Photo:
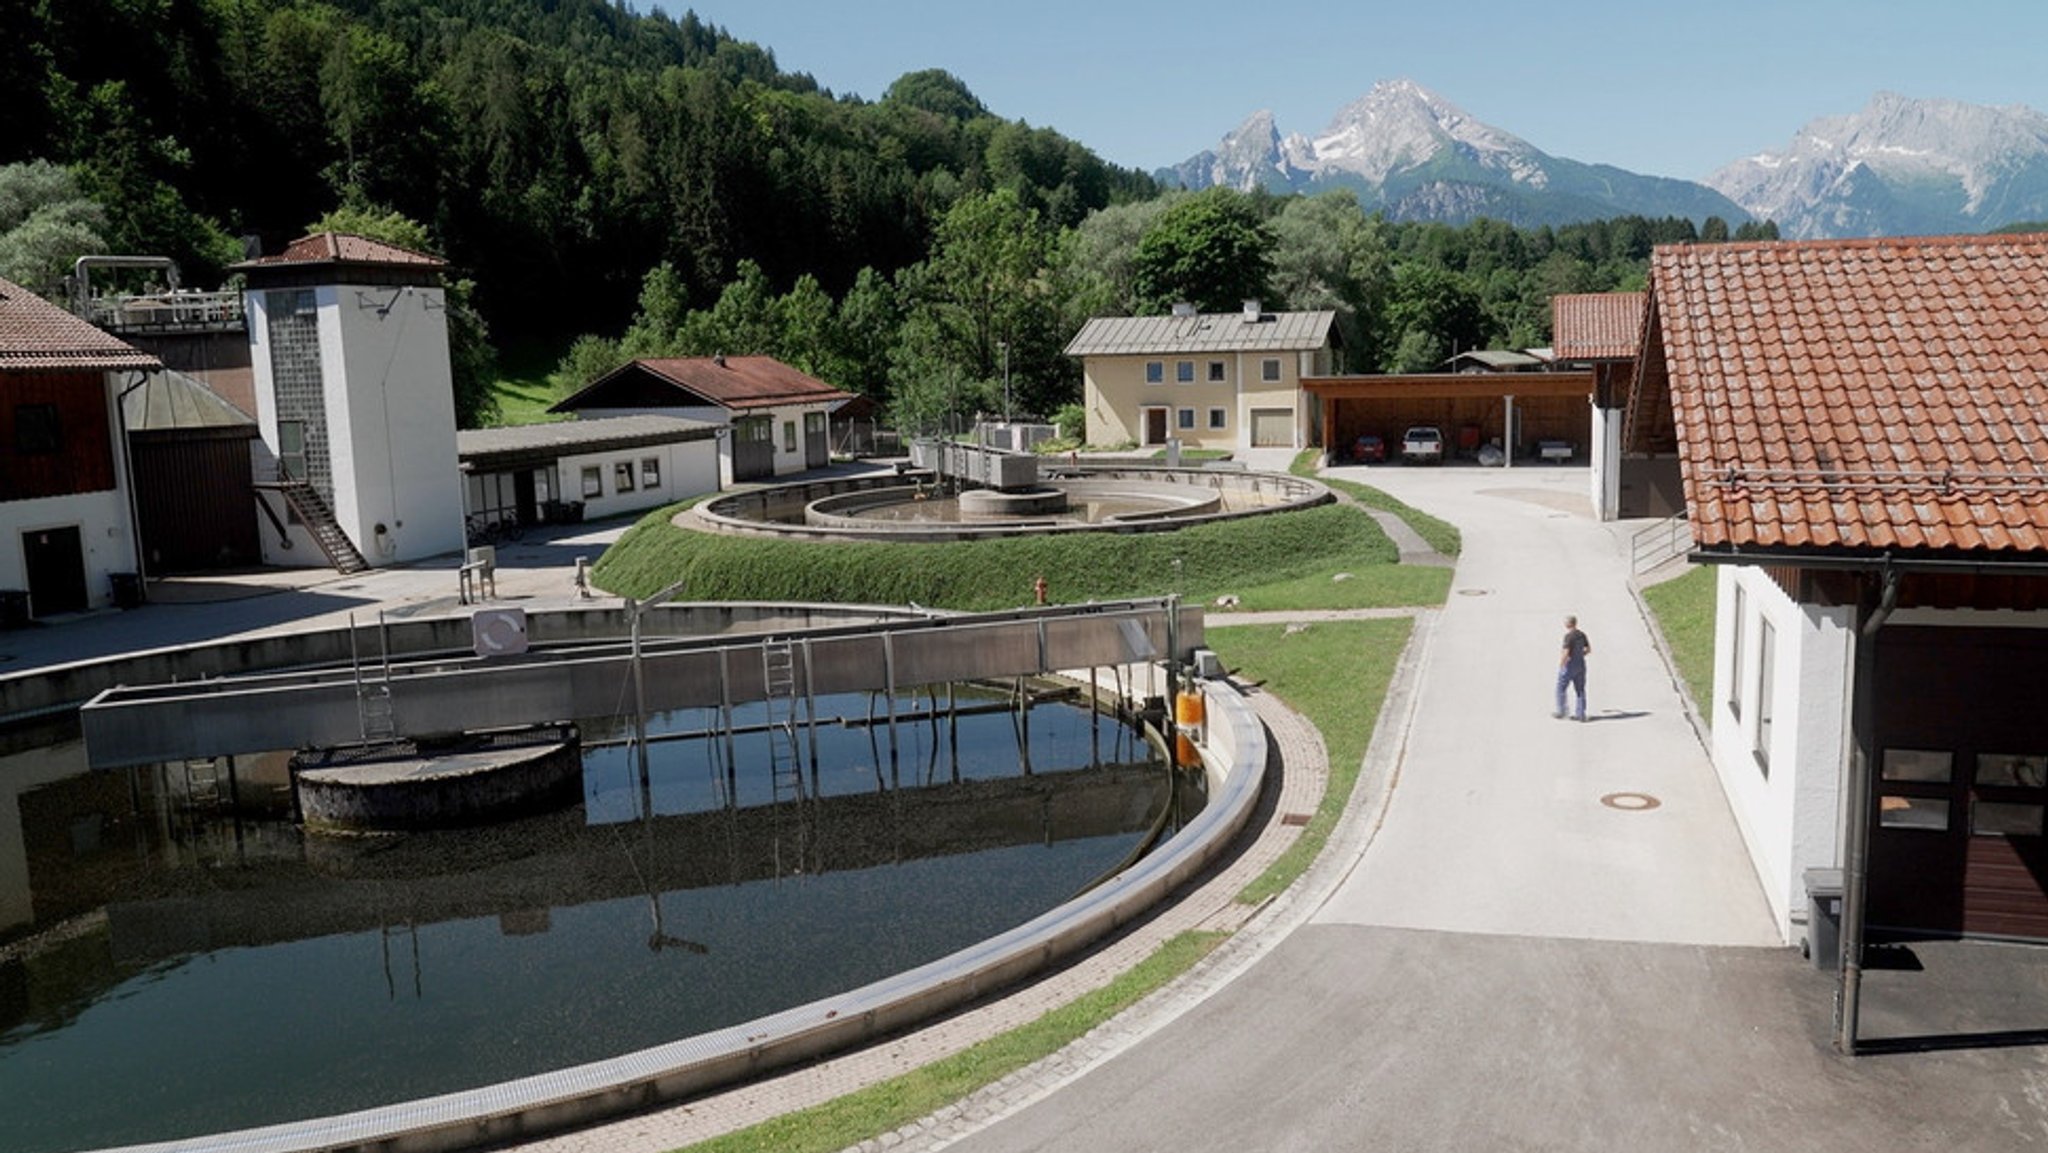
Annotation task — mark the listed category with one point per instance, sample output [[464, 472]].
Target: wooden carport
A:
[[1517, 409]]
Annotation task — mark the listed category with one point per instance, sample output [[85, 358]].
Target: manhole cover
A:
[[1294, 818], [1630, 802], [1475, 592]]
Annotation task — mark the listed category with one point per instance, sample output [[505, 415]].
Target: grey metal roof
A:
[[170, 400], [1207, 332], [518, 443]]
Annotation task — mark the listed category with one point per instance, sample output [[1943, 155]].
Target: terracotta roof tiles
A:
[[1867, 394], [38, 335], [342, 248], [1597, 325]]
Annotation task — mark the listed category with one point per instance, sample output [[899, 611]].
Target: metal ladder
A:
[[778, 672], [374, 711]]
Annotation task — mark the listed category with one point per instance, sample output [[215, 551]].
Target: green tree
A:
[[1433, 313], [46, 224], [1210, 249], [1329, 255]]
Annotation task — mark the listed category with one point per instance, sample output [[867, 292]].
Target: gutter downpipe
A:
[[1856, 838], [128, 467]]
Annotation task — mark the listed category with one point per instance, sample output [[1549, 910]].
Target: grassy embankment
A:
[[1335, 673], [1684, 609]]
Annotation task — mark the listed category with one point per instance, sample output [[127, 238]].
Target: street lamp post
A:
[[1004, 345]]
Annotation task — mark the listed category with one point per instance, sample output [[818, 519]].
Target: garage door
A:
[[1272, 428], [1961, 837]]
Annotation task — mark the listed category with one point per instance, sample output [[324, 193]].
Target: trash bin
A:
[[13, 608], [127, 589], [1824, 918]]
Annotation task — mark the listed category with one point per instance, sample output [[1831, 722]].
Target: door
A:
[[54, 559], [1155, 426], [753, 448], [817, 441], [1272, 428]]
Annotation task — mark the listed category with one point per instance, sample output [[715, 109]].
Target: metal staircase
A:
[[312, 511]]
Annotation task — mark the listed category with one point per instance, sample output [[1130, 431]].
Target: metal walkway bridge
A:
[[439, 695]]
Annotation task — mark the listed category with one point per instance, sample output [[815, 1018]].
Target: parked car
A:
[[1423, 444], [1369, 449]]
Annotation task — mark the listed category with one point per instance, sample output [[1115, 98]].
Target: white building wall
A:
[[397, 482], [688, 468], [1606, 462], [106, 528], [1790, 816]]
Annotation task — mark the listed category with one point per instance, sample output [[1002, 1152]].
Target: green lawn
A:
[[1335, 673], [523, 391], [1288, 560], [1684, 610]]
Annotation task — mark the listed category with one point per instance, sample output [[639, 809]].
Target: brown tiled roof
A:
[[733, 382], [1597, 325], [342, 248], [1860, 395], [35, 334]]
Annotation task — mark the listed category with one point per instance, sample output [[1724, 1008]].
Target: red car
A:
[[1369, 449]]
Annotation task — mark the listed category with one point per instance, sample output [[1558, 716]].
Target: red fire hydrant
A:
[[1038, 589]]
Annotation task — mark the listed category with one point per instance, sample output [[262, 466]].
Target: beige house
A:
[[1228, 381]]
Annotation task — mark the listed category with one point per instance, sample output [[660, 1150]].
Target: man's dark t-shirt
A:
[[1575, 646]]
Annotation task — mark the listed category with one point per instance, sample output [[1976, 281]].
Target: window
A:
[[622, 476], [789, 436], [1269, 369], [1219, 418], [1766, 654], [1184, 371], [1215, 372], [1185, 418], [593, 482], [650, 472], [1736, 672], [36, 429], [1155, 372]]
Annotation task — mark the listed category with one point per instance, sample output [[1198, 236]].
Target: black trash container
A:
[[127, 589], [1824, 918], [13, 608]]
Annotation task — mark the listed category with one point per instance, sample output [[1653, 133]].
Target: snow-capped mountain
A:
[[1418, 156], [1900, 167]]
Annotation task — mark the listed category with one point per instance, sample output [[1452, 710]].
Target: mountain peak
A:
[[1900, 165], [1410, 151]]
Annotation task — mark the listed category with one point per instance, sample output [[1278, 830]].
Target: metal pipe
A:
[[1856, 838]]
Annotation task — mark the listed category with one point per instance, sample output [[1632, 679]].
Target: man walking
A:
[[1571, 667]]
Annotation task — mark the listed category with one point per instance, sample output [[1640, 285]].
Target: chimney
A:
[[1252, 312], [1183, 310], [718, 359]]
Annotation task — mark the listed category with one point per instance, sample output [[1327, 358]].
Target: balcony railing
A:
[[174, 311]]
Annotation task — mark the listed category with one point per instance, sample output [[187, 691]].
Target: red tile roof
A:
[[342, 248], [740, 382], [1860, 395], [35, 334], [1597, 325]]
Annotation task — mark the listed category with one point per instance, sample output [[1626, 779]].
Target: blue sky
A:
[[1658, 88]]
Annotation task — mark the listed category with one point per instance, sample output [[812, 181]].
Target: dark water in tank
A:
[[172, 965]]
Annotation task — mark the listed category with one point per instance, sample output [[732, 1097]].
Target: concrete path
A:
[[1497, 823]]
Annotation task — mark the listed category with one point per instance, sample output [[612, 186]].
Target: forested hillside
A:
[[661, 188], [555, 150]]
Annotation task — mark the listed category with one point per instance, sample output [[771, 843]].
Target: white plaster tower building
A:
[[355, 400]]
